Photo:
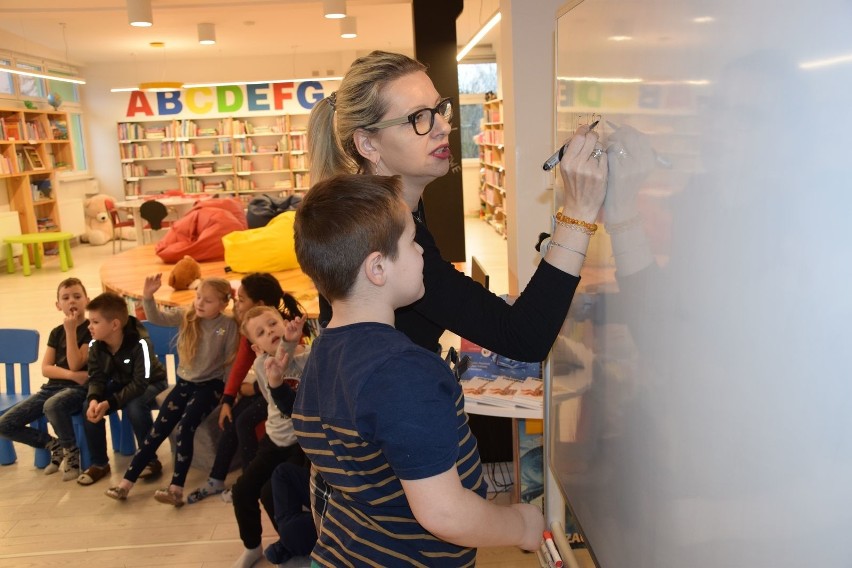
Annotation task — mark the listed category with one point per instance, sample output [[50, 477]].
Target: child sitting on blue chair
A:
[[64, 367]]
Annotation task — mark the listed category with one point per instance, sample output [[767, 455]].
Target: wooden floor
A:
[[45, 522]]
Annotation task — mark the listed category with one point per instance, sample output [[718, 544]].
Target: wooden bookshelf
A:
[[235, 155], [492, 195], [34, 147]]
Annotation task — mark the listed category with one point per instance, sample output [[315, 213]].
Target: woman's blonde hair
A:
[[189, 334], [358, 102]]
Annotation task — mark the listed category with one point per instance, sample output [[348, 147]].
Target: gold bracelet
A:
[[560, 245], [616, 228], [576, 224]]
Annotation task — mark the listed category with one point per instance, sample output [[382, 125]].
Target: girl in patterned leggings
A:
[[207, 342]]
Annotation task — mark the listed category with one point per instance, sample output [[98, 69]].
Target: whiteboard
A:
[[700, 408]]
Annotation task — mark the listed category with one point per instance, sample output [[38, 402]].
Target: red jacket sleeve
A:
[[239, 370]]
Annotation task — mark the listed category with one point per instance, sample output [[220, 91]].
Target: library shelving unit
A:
[[34, 147], [492, 194], [234, 155]]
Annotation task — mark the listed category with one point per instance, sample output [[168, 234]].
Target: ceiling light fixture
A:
[[206, 34], [230, 83], [161, 85], [68, 79], [495, 19], [334, 9], [348, 28], [139, 13]]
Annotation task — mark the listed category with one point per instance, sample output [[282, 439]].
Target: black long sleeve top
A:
[[524, 331]]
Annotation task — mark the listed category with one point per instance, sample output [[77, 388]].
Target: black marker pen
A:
[[557, 156]]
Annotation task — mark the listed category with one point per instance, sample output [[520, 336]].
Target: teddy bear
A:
[[186, 274], [98, 224]]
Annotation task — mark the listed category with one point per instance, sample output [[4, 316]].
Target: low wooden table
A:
[[37, 240], [125, 274]]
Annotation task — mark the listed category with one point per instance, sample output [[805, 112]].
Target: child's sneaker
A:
[[56, 455], [72, 464], [227, 496], [277, 553], [210, 488]]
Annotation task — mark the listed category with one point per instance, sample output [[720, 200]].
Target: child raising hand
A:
[[207, 342]]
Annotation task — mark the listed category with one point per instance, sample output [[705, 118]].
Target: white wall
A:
[[526, 63], [103, 109]]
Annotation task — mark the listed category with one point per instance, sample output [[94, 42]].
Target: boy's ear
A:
[[58, 307], [364, 144], [374, 269], [256, 349]]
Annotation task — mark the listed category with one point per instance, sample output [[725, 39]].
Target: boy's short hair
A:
[[253, 313], [341, 221], [111, 306], [67, 283]]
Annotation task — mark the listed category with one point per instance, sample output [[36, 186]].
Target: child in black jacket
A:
[[124, 374]]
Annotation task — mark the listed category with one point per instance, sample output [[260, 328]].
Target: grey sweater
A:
[[215, 349]]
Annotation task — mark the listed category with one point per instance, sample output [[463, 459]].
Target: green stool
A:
[[37, 241]]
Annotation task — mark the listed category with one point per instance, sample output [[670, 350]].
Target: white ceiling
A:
[[97, 31]]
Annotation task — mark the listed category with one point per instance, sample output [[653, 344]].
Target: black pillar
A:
[[435, 46]]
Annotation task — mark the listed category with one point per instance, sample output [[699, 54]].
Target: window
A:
[[7, 86], [67, 91], [475, 79], [30, 86], [76, 137]]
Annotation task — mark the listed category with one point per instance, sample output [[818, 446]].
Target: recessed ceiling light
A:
[[620, 38], [703, 19]]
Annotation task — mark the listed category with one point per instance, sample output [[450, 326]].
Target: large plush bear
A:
[[98, 224]]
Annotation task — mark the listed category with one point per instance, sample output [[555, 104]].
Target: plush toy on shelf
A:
[[186, 274], [98, 224]]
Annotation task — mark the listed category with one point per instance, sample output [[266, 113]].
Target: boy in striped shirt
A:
[[381, 418]]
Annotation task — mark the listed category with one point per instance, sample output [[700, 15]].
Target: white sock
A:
[[249, 557], [215, 483]]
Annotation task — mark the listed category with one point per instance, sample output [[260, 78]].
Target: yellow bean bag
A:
[[266, 249]]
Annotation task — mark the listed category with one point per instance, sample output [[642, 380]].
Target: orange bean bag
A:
[[199, 233]]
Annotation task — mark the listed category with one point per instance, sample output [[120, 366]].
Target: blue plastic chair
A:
[[164, 340], [19, 347]]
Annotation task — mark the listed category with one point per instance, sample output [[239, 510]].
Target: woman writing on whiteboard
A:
[[387, 118]]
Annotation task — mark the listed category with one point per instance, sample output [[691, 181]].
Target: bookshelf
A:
[[492, 194], [34, 147], [234, 155]]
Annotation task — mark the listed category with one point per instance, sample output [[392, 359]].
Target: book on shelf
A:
[[155, 133], [35, 130], [12, 129], [59, 129]]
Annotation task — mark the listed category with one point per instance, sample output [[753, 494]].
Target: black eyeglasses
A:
[[422, 120]]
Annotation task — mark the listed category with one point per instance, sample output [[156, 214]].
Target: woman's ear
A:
[[364, 144]]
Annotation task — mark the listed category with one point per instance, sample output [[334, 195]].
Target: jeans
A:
[[58, 403], [185, 407], [138, 411]]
